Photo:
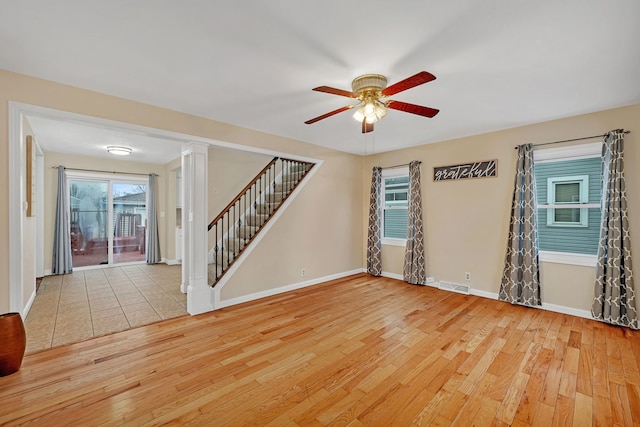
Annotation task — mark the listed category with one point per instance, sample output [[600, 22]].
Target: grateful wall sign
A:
[[466, 171]]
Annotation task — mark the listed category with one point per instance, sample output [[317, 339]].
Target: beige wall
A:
[[321, 227], [327, 186], [466, 221], [70, 161]]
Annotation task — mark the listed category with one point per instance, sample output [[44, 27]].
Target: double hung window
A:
[[568, 186]]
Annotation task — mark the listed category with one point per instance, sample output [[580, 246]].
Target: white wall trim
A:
[[171, 261], [545, 306], [392, 275], [287, 288], [492, 295], [390, 241], [568, 258], [27, 307], [217, 300], [567, 310], [15, 208]]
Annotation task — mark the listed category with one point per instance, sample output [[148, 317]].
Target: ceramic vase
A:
[[13, 342]]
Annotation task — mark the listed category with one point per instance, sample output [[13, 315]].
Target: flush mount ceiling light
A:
[[371, 92], [119, 150]]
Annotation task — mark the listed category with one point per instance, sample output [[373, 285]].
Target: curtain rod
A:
[[100, 171], [575, 139], [398, 166]]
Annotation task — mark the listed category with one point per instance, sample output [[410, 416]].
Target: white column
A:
[[195, 217]]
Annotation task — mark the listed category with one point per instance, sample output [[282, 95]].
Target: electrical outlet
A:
[[467, 276], [303, 272]]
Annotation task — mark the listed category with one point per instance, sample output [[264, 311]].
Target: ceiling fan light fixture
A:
[[119, 150], [380, 110], [359, 114]]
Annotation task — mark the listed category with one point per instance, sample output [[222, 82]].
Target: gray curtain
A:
[[374, 245], [614, 299], [62, 262], [521, 278], [153, 242], [414, 262]]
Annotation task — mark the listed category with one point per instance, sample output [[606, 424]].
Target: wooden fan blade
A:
[[413, 81], [366, 127], [324, 116], [413, 109], [335, 91]]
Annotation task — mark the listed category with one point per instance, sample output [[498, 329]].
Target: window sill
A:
[[394, 242], [568, 258]]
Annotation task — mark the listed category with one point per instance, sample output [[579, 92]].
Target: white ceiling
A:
[[64, 136], [253, 63]]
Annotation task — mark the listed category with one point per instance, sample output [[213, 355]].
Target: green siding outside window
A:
[[396, 207], [396, 222]]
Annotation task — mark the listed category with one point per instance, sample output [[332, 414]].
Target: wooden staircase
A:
[[242, 219]]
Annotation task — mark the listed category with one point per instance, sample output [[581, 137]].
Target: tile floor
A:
[[86, 304]]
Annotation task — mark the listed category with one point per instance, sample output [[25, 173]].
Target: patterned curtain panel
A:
[[414, 262], [62, 262], [614, 298], [153, 242], [521, 277], [374, 245]]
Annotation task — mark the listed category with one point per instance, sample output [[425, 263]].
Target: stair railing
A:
[[239, 222]]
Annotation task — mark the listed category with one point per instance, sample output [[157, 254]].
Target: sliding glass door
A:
[[108, 219], [129, 207]]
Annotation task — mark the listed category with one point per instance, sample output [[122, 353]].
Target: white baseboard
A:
[[27, 307], [586, 314], [48, 272], [545, 306], [392, 275], [172, 261], [567, 310], [287, 288]]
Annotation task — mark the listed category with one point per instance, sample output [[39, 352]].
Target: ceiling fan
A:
[[371, 90]]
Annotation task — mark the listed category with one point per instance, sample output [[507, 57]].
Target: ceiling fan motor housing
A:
[[369, 83]]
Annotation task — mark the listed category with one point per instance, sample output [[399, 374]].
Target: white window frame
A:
[[393, 173], [552, 205], [575, 152]]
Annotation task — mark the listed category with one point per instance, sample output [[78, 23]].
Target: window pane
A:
[[396, 191], [396, 222], [568, 192], [567, 215], [577, 240], [89, 213]]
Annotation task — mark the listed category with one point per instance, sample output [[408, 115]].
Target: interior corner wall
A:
[[466, 221], [341, 213]]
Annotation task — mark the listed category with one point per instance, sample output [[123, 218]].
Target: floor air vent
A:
[[454, 287]]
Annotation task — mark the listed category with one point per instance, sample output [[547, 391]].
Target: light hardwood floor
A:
[[356, 351]]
